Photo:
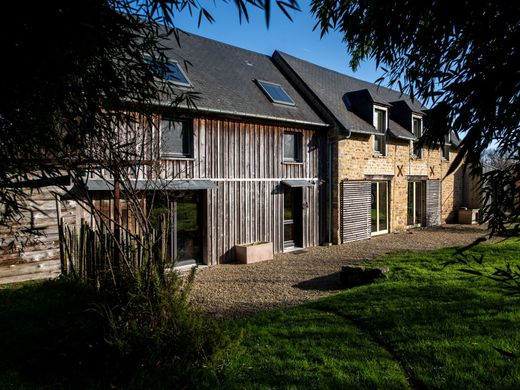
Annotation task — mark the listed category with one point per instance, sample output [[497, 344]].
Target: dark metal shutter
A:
[[355, 211], [433, 202]]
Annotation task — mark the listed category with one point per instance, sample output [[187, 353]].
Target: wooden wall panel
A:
[[30, 257]]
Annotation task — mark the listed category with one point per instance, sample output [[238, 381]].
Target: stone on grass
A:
[[353, 276]]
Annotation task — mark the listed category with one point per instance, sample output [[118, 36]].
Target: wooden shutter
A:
[[433, 202], [355, 211]]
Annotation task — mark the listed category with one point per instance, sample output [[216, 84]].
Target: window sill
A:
[[378, 155], [292, 162], [169, 158]]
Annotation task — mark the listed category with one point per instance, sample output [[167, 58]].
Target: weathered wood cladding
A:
[[26, 256], [252, 211], [246, 161], [229, 149]]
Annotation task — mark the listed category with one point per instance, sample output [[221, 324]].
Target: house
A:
[[244, 166], [277, 150], [381, 180]]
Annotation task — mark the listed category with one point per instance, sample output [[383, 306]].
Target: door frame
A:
[[296, 194], [414, 204], [378, 185]]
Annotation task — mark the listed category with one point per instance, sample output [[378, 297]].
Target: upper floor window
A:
[[275, 93], [173, 72], [292, 147], [176, 138], [381, 124], [417, 128], [445, 148]]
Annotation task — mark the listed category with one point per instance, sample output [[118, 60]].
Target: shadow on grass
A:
[[49, 336], [322, 283]]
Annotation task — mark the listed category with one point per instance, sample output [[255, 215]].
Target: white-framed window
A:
[[417, 130], [176, 138], [381, 125], [445, 148]]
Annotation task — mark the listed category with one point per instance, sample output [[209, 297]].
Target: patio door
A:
[[292, 217], [178, 216], [379, 210], [416, 203]]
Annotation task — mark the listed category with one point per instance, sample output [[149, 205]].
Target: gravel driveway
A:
[[232, 290]]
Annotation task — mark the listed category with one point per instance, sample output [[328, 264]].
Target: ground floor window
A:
[[416, 203], [379, 210], [177, 216]]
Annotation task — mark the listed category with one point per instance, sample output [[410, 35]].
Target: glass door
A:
[[416, 203], [379, 210], [292, 215], [177, 218]]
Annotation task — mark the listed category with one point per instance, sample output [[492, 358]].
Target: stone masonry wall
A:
[[356, 161]]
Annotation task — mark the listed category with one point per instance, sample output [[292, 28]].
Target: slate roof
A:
[[399, 132], [332, 89], [224, 75]]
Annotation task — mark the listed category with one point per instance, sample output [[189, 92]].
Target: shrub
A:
[[156, 337]]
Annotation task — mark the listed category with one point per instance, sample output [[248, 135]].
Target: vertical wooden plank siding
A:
[[433, 202], [355, 211], [245, 160]]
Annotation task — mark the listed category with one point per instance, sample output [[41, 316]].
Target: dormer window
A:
[[445, 148], [381, 124], [173, 73], [417, 129], [275, 93]]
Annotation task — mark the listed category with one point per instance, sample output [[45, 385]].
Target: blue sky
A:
[[296, 38]]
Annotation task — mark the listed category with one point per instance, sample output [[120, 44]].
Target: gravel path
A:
[[232, 290]]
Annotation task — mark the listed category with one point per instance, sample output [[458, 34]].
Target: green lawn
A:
[[427, 326]]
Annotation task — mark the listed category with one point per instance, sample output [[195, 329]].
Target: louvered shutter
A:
[[355, 211], [433, 202]]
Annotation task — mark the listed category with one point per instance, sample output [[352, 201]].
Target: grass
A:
[[47, 335], [427, 326]]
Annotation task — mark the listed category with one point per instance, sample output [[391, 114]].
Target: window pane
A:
[[410, 219], [175, 138], [373, 209], [188, 233], [419, 202], [379, 143], [290, 147], [175, 74], [288, 205], [417, 127], [276, 93], [383, 205], [380, 120]]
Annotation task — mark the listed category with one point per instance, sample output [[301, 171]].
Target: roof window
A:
[[173, 72], [275, 93]]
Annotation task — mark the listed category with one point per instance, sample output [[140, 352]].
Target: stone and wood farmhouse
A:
[[278, 150]]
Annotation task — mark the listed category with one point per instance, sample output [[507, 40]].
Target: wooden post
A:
[[117, 221]]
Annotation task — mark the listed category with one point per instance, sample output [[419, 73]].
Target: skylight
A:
[[173, 73], [275, 93]]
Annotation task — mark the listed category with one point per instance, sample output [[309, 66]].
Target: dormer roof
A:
[[342, 96]]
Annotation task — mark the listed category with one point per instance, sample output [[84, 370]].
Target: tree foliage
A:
[[71, 72], [460, 58]]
